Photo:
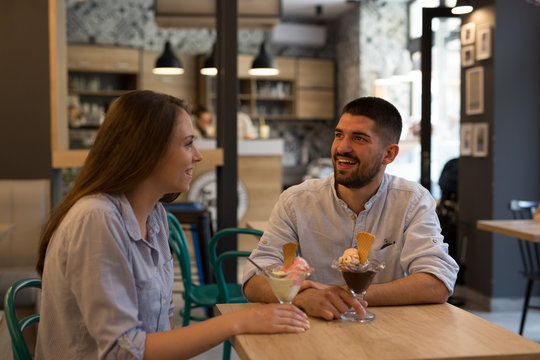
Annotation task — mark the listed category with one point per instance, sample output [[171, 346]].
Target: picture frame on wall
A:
[[467, 55], [467, 33], [480, 140], [483, 42], [466, 139], [474, 91]]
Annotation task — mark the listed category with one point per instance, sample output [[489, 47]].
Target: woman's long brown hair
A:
[[128, 146]]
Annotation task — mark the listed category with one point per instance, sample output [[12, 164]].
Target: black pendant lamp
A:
[[168, 63], [209, 66], [263, 64], [462, 7]]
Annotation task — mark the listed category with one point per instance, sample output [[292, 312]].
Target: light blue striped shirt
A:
[[401, 213], [104, 286]]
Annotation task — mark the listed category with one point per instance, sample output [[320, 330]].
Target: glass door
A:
[[439, 133], [445, 96]]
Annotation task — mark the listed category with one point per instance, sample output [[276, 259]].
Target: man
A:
[[203, 128], [324, 215]]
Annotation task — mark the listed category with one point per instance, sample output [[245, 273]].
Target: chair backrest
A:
[[16, 327], [217, 261], [178, 244], [529, 251], [522, 209]]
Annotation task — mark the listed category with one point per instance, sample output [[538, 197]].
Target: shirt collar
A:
[[380, 190], [132, 226], [370, 202]]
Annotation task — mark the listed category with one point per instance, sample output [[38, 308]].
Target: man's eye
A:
[[338, 135]]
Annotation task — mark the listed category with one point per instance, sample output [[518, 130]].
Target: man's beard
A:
[[364, 174]]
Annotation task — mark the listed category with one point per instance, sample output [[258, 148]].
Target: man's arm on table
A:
[[419, 288]]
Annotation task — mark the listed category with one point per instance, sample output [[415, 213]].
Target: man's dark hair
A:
[[201, 109], [385, 115]]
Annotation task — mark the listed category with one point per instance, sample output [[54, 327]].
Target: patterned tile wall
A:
[[383, 38]]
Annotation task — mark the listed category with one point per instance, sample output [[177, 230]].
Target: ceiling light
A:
[[462, 7], [209, 66], [263, 64], [168, 63]]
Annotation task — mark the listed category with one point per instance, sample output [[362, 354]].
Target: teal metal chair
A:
[[228, 292], [16, 327], [194, 295]]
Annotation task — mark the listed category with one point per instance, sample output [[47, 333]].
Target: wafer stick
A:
[[289, 250], [364, 241]]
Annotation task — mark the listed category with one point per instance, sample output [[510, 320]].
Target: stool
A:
[[200, 223]]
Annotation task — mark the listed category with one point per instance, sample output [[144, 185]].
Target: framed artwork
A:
[[474, 91], [483, 42], [468, 33], [466, 140], [467, 55], [480, 139]]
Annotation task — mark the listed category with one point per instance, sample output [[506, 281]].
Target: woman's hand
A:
[[271, 318]]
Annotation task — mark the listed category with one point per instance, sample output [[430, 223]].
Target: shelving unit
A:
[[96, 77], [272, 99], [304, 90]]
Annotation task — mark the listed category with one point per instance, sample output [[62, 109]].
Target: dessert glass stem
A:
[[352, 315]]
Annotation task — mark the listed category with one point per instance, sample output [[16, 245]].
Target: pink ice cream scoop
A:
[[299, 265]]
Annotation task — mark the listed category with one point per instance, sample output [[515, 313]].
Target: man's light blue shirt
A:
[[401, 215]]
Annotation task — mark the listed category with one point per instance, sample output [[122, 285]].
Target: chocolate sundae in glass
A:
[[358, 277]]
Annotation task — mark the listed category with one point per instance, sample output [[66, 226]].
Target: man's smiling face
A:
[[357, 151]]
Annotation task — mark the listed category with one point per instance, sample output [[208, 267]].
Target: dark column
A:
[[227, 89]]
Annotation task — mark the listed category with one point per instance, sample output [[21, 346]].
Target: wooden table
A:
[[522, 229], [6, 229], [257, 224], [440, 331]]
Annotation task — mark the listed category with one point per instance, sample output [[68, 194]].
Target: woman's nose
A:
[[197, 156]]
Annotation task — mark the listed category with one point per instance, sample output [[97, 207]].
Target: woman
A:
[[106, 267]]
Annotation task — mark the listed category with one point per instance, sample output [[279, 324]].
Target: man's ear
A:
[[390, 153]]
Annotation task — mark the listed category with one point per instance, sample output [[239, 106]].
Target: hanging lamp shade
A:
[[209, 66], [168, 63], [462, 7], [263, 64]]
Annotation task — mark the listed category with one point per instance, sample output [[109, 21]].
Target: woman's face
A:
[[174, 171]]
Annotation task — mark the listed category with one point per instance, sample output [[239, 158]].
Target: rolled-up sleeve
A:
[[424, 249]]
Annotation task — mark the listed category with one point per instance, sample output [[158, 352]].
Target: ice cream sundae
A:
[[285, 279], [358, 272]]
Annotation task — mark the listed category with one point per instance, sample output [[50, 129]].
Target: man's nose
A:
[[344, 145]]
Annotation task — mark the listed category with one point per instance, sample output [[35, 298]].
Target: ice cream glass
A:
[[358, 277], [285, 284]]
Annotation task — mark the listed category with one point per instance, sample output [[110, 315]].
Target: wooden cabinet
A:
[[315, 73], [315, 89], [315, 104], [182, 86], [103, 59]]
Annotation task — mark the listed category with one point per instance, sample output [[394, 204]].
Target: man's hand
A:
[[327, 302]]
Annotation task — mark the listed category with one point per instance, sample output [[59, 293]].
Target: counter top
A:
[[267, 147]]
